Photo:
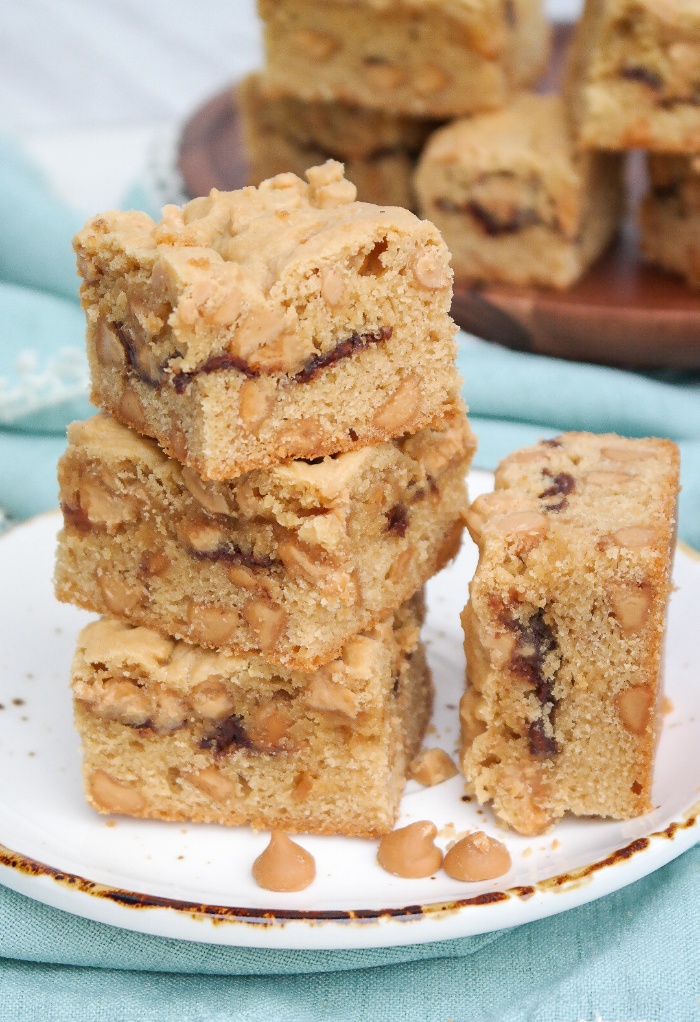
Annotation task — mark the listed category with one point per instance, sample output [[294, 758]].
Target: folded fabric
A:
[[43, 372], [632, 955], [35, 248]]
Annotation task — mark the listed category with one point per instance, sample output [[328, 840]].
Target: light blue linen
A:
[[35, 229], [630, 956]]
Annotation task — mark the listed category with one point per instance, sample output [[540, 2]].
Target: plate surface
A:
[[621, 312], [193, 882]]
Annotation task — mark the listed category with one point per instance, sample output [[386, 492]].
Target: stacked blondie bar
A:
[[367, 82], [423, 100], [534, 193], [634, 83], [277, 470]]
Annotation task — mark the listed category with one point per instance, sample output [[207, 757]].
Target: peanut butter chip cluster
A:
[[411, 852], [328, 186]]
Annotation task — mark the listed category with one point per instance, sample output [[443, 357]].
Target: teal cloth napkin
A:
[[632, 955]]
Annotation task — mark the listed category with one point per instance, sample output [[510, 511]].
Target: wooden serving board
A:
[[621, 313]]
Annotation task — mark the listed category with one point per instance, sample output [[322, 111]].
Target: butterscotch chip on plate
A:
[[435, 58], [432, 766], [174, 732], [633, 75], [564, 629], [285, 321], [283, 133], [411, 852], [284, 865], [670, 216], [288, 562], [514, 198]]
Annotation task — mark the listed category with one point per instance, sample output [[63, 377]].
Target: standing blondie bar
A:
[[564, 628]]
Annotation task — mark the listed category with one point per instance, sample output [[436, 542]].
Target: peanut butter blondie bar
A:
[[283, 133], [173, 732], [285, 321], [670, 216], [432, 58], [564, 628], [515, 200], [287, 562], [634, 75]]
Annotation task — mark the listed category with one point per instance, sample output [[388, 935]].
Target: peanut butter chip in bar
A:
[[284, 865], [411, 852]]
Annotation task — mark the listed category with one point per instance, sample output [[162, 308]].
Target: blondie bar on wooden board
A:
[[564, 628], [285, 321], [379, 150], [287, 562], [174, 732], [514, 198], [633, 78], [430, 58], [670, 215]]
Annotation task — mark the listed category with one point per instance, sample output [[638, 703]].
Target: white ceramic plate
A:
[[193, 882]]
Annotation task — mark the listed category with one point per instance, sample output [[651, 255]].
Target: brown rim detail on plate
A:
[[407, 913], [621, 313]]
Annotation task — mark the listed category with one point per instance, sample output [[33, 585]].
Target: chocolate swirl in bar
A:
[[536, 640]]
